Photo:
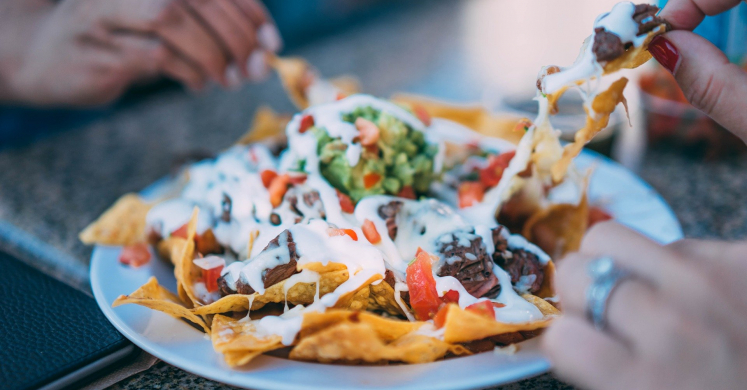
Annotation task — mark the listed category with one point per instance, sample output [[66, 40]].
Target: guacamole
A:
[[400, 160]]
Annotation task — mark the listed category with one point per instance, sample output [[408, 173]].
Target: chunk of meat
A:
[[303, 202], [524, 268], [471, 265], [608, 46], [388, 212], [271, 276]]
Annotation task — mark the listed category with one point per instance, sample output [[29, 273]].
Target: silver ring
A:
[[605, 275]]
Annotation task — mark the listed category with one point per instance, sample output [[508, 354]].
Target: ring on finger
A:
[[606, 276]]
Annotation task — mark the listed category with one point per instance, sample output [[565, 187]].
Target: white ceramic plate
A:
[[631, 200]]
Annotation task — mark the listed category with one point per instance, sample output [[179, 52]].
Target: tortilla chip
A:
[[299, 294], [602, 106], [238, 342], [474, 117], [353, 342], [547, 289], [559, 228], [635, 56], [266, 125], [382, 298], [154, 296], [348, 85], [464, 326], [387, 329], [545, 307], [122, 224], [296, 75], [185, 271]]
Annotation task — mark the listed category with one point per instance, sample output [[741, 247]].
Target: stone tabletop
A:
[[463, 51]]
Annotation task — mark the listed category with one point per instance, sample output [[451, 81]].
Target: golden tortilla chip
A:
[[545, 307], [474, 117], [296, 75], [299, 294], [122, 224], [354, 342], [387, 329], [347, 85], [154, 296], [559, 228], [266, 125], [238, 342], [636, 56], [602, 106], [547, 290], [185, 271], [464, 326], [382, 298]]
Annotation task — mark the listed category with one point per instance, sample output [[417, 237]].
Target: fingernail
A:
[[665, 52], [269, 37], [233, 76], [257, 65]]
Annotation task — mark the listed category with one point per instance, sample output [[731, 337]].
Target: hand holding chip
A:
[[710, 82], [678, 324], [87, 52]]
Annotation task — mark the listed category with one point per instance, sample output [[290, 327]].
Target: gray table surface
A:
[[52, 188]]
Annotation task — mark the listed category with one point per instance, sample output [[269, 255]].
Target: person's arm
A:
[[710, 82], [87, 52]]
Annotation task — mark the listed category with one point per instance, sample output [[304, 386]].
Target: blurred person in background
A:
[[89, 52], [639, 315]]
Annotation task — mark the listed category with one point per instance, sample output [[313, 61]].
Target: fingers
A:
[[584, 356], [683, 287], [267, 34], [633, 310], [707, 78], [230, 28], [687, 14]]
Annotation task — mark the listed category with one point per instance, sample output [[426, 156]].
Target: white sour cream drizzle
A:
[[428, 224], [620, 22]]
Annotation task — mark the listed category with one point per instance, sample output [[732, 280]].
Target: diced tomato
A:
[[407, 192], [181, 232], [422, 114], [523, 125], [424, 298], [340, 96], [307, 122], [452, 296], [498, 305], [346, 204], [440, 319], [135, 255], [470, 193], [211, 267], [296, 177], [341, 232], [277, 189], [370, 180], [491, 175], [483, 308], [369, 230], [267, 175], [596, 215], [369, 132], [419, 251]]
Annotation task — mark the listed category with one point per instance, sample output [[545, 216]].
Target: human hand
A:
[[86, 52], [680, 324], [710, 82]]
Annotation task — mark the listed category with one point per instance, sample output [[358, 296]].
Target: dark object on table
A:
[[52, 336]]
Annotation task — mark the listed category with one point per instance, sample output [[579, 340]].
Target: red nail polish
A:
[[664, 52]]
